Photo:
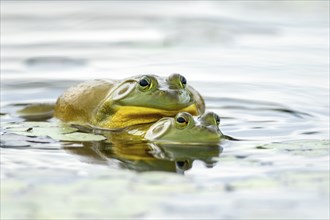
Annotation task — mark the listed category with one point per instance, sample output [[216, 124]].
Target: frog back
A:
[[78, 103], [198, 100]]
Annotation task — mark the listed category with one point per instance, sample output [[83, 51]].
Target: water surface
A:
[[262, 66]]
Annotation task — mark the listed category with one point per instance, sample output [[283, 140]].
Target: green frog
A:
[[113, 104], [184, 128]]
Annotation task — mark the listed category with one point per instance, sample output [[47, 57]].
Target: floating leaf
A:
[[28, 124], [39, 131], [80, 136], [62, 132]]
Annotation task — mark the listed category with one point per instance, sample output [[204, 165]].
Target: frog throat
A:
[[133, 115]]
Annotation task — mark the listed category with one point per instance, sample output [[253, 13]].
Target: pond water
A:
[[262, 66]]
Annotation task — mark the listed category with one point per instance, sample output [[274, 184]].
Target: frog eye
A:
[[210, 118], [183, 81], [177, 81], [145, 83], [217, 119], [181, 120]]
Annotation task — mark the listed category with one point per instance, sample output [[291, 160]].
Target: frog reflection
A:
[[147, 156]]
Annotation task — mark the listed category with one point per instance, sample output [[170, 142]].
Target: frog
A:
[[117, 104], [184, 128]]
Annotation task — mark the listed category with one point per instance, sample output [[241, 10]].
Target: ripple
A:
[[243, 104], [54, 62]]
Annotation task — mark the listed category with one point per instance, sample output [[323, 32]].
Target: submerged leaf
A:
[[39, 131]]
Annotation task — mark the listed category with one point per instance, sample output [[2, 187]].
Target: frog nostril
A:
[[162, 92]]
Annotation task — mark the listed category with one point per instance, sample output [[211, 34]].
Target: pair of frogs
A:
[[147, 107]]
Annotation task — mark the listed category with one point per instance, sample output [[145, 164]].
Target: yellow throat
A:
[[132, 115]]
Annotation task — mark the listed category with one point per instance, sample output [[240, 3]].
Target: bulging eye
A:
[[217, 119], [145, 83], [210, 118], [181, 120], [183, 81], [177, 81]]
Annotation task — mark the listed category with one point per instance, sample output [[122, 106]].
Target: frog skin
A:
[[184, 128], [137, 100], [181, 129]]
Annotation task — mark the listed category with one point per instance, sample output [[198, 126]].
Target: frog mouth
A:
[[133, 115]]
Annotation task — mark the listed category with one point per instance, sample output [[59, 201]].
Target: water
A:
[[262, 66]]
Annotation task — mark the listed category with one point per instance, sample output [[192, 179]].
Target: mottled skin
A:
[[138, 100]]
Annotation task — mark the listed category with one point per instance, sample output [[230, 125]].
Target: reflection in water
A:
[[147, 156]]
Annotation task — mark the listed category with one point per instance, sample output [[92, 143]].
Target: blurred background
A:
[[263, 66]]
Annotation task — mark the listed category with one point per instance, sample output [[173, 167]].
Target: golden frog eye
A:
[[217, 119], [210, 118], [181, 120], [177, 81], [145, 83], [183, 81]]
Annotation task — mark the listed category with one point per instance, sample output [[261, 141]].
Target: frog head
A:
[[146, 99], [184, 128]]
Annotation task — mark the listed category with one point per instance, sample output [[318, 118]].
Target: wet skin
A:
[[118, 104], [181, 129], [184, 128]]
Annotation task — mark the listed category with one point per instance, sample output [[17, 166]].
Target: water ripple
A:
[[54, 62]]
